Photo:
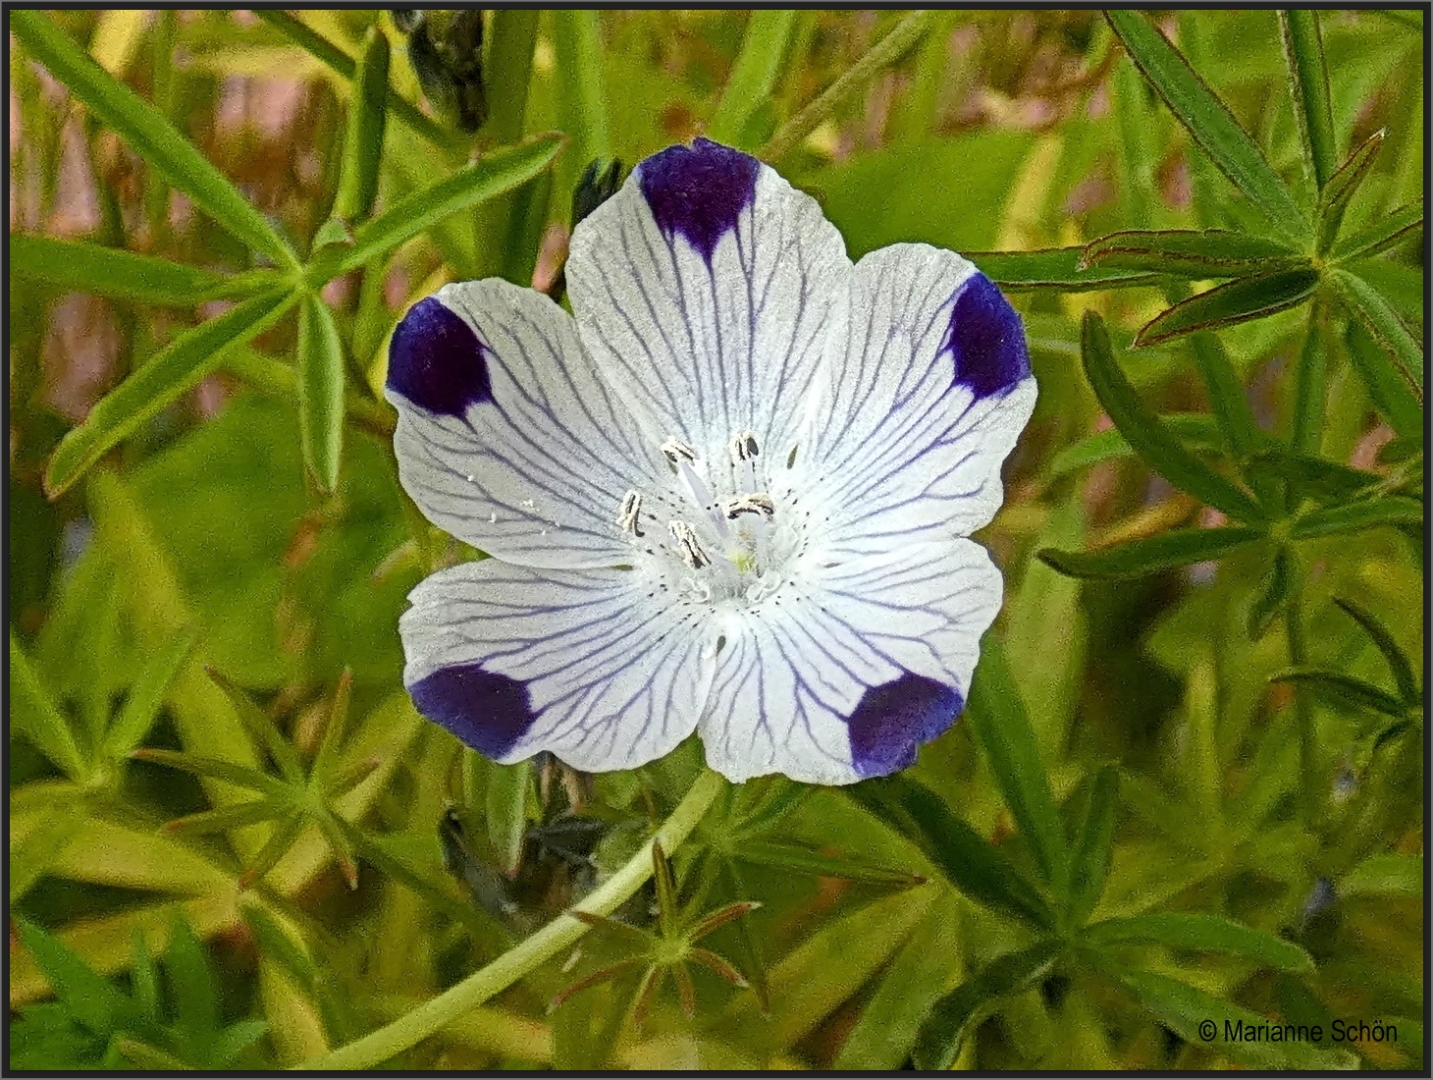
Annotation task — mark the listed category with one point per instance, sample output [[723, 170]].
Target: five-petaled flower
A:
[[730, 493]]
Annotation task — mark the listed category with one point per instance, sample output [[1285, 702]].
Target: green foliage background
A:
[[1189, 784]]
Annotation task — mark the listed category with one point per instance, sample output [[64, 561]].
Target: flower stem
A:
[[884, 53], [430, 1017]]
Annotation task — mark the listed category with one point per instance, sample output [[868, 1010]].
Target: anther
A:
[[742, 447], [756, 503], [676, 450], [687, 544], [630, 513]]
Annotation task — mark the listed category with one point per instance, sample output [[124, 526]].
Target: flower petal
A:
[[596, 666], [856, 666], [926, 399], [506, 436], [706, 288]]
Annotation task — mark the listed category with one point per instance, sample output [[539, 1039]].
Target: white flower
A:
[[730, 495]]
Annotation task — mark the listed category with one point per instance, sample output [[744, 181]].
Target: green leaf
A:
[[998, 720], [1368, 306], [789, 857], [496, 172], [1206, 933], [1234, 302], [89, 996], [966, 858], [1179, 547], [1207, 253], [1334, 199], [1384, 875], [36, 716], [1093, 848], [1198, 430], [581, 93], [321, 369], [262, 729], [33, 856], [196, 1005], [1183, 1009], [217, 769], [1397, 662], [234, 816], [753, 76], [1352, 517], [1151, 439], [1392, 394], [955, 1016], [1309, 82], [234, 1040], [123, 275], [1278, 586], [163, 378], [141, 707], [149, 134], [1325, 481], [1209, 121], [506, 816], [1054, 268], [1343, 691], [1227, 398], [363, 135], [1383, 234]]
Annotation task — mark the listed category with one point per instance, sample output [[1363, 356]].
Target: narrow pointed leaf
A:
[[141, 707], [1343, 691], [363, 133], [1237, 301], [645, 992], [148, 133], [1061, 269], [1352, 517], [335, 726], [721, 917], [144, 977], [666, 889], [36, 717], [615, 927], [123, 275], [196, 1003], [1093, 847], [1179, 547], [1208, 933], [147, 1057], [1309, 82], [997, 717], [1368, 306], [954, 1017], [1385, 875], [793, 858], [321, 369], [1324, 481], [969, 861], [1381, 235], [158, 383], [1278, 586], [214, 768], [505, 798], [234, 1040], [32, 857], [234, 816], [262, 729], [599, 976], [1209, 121], [1155, 443], [1208, 253], [718, 965], [283, 837], [90, 997], [686, 990], [1398, 663], [341, 846], [1227, 398], [1334, 199], [753, 76], [495, 172], [1397, 400], [1197, 430]]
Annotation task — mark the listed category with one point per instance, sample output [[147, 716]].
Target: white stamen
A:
[[687, 545], [757, 502], [676, 450], [630, 512], [742, 447]]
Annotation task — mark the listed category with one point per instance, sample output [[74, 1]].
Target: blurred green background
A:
[[1192, 786]]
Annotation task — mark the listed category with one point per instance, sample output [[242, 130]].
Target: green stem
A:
[[1311, 783], [430, 1017], [885, 52]]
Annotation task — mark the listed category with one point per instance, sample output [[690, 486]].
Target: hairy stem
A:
[[429, 1018]]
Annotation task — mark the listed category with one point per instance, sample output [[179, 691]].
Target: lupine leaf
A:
[[1054, 268], [1211, 933], [363, 135], [1378, 317], [141, 707], [321, 384], [1351, 517], [1179, 547], [1238, 301], [1325, 481], [1381, 235], [1392, 394], [1093, 847], [1199, 430], [791, 858], [1343, 691], [1272, 599], [37, 717], [1208, 253], [1334, 199], [89, 996], [1398, 663], [1227, 397], [753, 76], [1309, 81]]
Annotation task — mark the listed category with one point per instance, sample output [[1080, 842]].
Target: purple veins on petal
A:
[[436, 360], [986, 340], [893, 719], [488, 711], [699, 191]]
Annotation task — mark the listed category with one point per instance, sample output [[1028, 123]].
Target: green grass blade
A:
[[363, 133], [502, 170], [1241, 300], [141, 707], [168, 374], [1309, 84], [37, 717], [1180, 547], [1204, 933], [1209, 121], [997, 718], [1378, 317], [321, 371], [123, 275], [1054, 268], [753, 76], [1155, 443], [149, 134]]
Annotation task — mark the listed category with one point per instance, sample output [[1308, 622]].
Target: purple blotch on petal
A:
[[698, 191], [893, 719], [489, 712], [986, 339], [436, 360]]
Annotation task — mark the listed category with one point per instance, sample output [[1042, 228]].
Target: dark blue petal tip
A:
[[986, 340], [698, 191], [893, 719], [436, 360], [489, 712]]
